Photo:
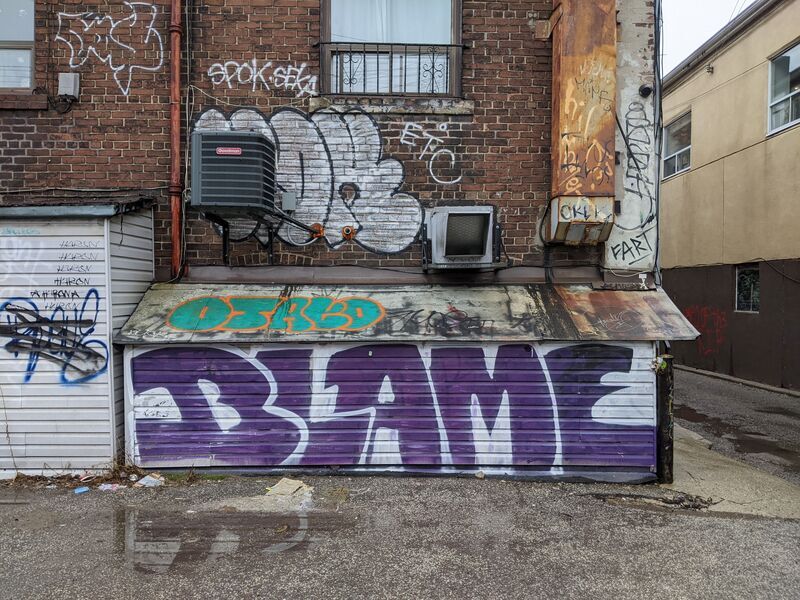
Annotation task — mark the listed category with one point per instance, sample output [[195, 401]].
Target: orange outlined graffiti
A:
[[298, 314]]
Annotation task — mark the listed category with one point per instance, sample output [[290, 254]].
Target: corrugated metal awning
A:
[[244, 314]]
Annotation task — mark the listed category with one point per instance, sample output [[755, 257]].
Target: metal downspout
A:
[[175, 185]]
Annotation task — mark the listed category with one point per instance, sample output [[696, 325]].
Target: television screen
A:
[[467, 234]]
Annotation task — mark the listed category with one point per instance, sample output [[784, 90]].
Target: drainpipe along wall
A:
[[175, 186]]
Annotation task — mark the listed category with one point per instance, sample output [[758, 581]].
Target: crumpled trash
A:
[[288, 487], [286, 496], [110, 487], [81, 490], [150, 481]]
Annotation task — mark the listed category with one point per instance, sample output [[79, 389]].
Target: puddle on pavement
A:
[[744, 441], [779, 410], [159, 542]]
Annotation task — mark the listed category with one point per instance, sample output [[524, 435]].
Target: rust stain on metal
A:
[[598, 314], [226, 313], [584, 98]]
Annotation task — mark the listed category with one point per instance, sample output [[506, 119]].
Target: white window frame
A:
[[771, 103], [749, 267], [675, 154], [23, 45]]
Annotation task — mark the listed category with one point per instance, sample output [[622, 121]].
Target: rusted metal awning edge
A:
[[250, 314]]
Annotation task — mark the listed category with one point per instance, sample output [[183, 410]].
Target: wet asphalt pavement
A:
[[386, 537], [391, 537], [759, 427]]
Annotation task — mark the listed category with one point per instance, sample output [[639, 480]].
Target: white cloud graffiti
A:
[[333, 161], [92, 34]]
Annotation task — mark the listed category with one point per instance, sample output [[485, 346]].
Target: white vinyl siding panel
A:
[[56, 408], [49, 422], [131, 259]]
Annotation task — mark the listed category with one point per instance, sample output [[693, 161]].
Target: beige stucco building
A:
[[730, 195]]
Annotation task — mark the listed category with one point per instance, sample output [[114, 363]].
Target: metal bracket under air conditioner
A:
[[316, 230]]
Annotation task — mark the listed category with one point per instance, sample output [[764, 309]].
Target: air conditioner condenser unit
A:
[[233, 173]]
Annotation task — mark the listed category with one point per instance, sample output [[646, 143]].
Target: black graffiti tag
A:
[[57, 339]]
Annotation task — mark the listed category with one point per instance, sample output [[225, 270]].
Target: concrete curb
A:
[[733, 486], [747, 382]]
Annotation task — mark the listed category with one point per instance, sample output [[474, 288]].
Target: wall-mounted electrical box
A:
[[233, 173], [578, 220], [69, 85], [462, 237]]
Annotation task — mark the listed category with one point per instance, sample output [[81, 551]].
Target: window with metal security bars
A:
[[678, 146], [784, 93], [391, 47], [16, 44], [748, 288]]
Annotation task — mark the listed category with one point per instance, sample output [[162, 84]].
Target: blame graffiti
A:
[[124, 45], [292, 315], [514, 406], [62, 338], [333, 162]]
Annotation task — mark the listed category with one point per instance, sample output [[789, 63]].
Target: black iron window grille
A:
[[391, 69]]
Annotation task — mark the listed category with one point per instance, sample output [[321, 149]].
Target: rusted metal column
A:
[[666, 420], [175, 186], [584, 121]]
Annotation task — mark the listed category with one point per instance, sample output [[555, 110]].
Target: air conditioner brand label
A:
[[227, 151]]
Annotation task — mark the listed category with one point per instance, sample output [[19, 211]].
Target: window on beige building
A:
[[784, 98], [16, 44], [678, 145], [748, 288]]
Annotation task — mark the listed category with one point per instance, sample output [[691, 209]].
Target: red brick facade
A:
[[496, 138]]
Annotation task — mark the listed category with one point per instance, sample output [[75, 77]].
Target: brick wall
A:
[[491, 148]]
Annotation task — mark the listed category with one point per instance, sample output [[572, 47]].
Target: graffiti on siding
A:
[[277, 313], [333, 162], [391, 405], [63, 337], [264, 76], [124, 45]]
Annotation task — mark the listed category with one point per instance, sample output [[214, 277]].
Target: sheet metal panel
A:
[[442, 407], [229, 313], [54, 345], [132, 263]]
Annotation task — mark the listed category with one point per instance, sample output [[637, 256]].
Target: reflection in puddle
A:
[[157, 542]]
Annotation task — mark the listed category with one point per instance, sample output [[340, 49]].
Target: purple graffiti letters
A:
[[576, 373], [489, 413], [225, 408], [390, 405]]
